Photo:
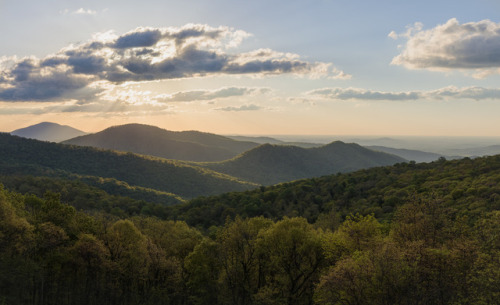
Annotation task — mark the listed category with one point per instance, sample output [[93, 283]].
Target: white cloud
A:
[[251, 107], [80, 11], [208, 95], [447, 93], [469, 46]]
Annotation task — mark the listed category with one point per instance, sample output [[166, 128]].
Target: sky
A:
[[310, 67]]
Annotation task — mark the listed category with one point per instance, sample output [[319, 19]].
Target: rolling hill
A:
[[47, 131], [31, 157], [154, 141], [270, 164], [471, 186]]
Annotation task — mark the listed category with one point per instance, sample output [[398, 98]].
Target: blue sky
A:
[[254, 67]]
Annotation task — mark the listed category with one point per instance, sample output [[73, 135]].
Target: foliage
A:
[[407, 234], [469, 185]]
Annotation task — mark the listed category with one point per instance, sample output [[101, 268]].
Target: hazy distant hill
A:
[[477, 151], [269, 140], [409, 154], [154, 141], [32, 157], [260, 140], [270, 164], [47, 131]]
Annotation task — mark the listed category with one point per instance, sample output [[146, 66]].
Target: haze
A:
[[317, 67]]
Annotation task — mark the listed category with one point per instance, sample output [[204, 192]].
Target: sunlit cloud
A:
[[143, 55], [447, 93], [250, 107], [473, 46], [208, 95]]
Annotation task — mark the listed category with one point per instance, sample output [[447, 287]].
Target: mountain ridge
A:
[[270, 164], [155, 141], [33, 157]]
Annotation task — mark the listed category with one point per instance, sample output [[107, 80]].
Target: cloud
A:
[[447, 93], [250, 107], [97, 106], [207, 95], [471, 46], [145, 54], [80, 11], [362, 94]]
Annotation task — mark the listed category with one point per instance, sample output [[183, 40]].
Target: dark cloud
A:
[[145, 38], [29, 84]]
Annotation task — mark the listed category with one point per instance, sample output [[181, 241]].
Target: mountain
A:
[[154, 141], [47, 131], [467, 185], [31, 157], [269, 164], [410, 154]]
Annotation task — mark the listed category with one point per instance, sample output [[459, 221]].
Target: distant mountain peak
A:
[[48, 131], [159, 142]]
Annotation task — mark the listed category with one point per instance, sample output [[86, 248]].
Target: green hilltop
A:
[[270, 164]]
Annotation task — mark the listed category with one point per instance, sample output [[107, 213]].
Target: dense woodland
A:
[[405, 234]]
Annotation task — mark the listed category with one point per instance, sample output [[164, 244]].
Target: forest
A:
[[405, 234]]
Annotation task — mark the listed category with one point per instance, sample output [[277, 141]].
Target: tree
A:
[[292, 255]]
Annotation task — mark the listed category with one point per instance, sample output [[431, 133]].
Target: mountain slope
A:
[[471, 186], [154, 141], [47, 131], [270, 164], [25, 156]]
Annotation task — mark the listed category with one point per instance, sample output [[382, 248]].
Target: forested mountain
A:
[[270, 164], [46, 131], [154, 141], [32, 157], [410, 154], [469, 185], [406, 234]]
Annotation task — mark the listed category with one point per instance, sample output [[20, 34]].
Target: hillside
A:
[[469, 185], [271, 164], [154, 141], [32, 157], [47, 131], [411, 233]]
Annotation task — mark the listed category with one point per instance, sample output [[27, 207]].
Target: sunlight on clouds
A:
[[446, 93], [145, 54], [473, 46]]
